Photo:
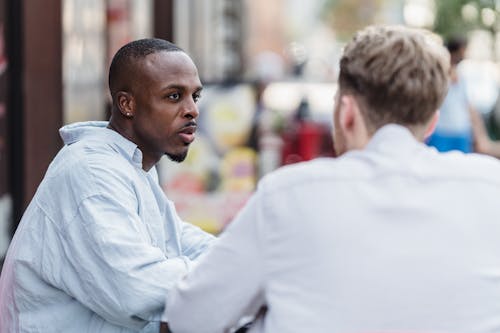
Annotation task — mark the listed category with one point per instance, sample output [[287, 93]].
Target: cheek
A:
[[336, 127], [163, 123], [338, 138]]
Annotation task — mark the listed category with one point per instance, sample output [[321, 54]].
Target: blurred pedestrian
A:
[[390, 236], [454, 128], [483, 143], [100, 245]]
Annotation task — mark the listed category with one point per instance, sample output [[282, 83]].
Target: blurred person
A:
[[454, 128], [483, 143], [390, 236], [100, 244]]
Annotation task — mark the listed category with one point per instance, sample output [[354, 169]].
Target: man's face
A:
[[165, 94], [339, 142]]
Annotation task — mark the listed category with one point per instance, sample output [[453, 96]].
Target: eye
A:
[[196, 97], [174, 96]]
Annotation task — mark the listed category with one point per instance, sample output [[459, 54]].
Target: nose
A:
[[190, 110]]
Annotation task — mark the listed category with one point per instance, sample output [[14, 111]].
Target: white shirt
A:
[[99, 246], [393, 237]]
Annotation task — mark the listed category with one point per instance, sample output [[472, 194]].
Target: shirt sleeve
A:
[[225, 284], [104, 256], [111, 268], [194, 241]]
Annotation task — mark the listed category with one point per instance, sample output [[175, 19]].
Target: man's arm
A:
[[164, 328], [226, 284], [194, 241], [104, 254], [109, 266], [483, 144]]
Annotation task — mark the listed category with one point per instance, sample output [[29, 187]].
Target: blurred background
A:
[[269, 69]]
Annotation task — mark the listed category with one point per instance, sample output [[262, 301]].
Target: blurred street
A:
[[269, 71]]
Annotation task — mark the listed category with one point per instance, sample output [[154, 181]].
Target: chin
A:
[[177, 157]]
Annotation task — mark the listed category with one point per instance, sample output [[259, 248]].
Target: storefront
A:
[[53, 63], [5, 197], [54, 56]]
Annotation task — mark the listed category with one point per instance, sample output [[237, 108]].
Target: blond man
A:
[[390, 236]]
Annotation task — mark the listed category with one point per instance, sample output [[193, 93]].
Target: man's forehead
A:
[[173, 60], [173, 66]]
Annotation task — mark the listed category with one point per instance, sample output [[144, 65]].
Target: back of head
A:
[[120, 77], [456, 45], [397, 74]]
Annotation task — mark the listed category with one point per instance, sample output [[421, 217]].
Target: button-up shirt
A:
[[394, 237], [99, 246]]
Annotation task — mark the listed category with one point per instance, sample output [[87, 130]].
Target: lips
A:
[[188, 133]]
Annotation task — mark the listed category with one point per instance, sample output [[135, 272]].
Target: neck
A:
[[147, 161], [119, 128]]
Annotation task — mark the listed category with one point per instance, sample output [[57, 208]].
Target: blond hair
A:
[[397, 75]]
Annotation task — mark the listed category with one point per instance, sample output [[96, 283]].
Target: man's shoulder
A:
[[461, 165], [318, 170], [88, 155], [360, 167], [78, 174], [83, 167]]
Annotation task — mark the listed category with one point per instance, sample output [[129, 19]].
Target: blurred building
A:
[[213, 33], [54, 56]]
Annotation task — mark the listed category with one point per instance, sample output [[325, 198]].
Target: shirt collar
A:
[[125, 146], [98, 130], [392, 138]]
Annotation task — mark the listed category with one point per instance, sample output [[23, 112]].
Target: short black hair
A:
[[455, 43], [132, 51]]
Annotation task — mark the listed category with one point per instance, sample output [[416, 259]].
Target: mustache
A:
[[191, 123]]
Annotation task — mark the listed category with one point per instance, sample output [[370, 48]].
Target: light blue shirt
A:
[[454, 118], [99, 246]]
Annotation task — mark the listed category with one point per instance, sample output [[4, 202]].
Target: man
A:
[[100, 244], [391, 236], [483, 143]]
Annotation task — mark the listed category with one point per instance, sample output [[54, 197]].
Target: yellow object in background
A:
[[238, 170]]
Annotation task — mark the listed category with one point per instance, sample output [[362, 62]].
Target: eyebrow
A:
[[180, 87]]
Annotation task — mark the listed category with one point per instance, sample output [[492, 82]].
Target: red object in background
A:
[[305, 139], [309, 139], [118, 25]]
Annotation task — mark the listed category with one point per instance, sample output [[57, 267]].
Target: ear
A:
[[352, 123], [432, 125], [347, 113], [125, 103]]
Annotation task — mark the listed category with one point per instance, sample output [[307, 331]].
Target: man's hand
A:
[[164, 328]]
